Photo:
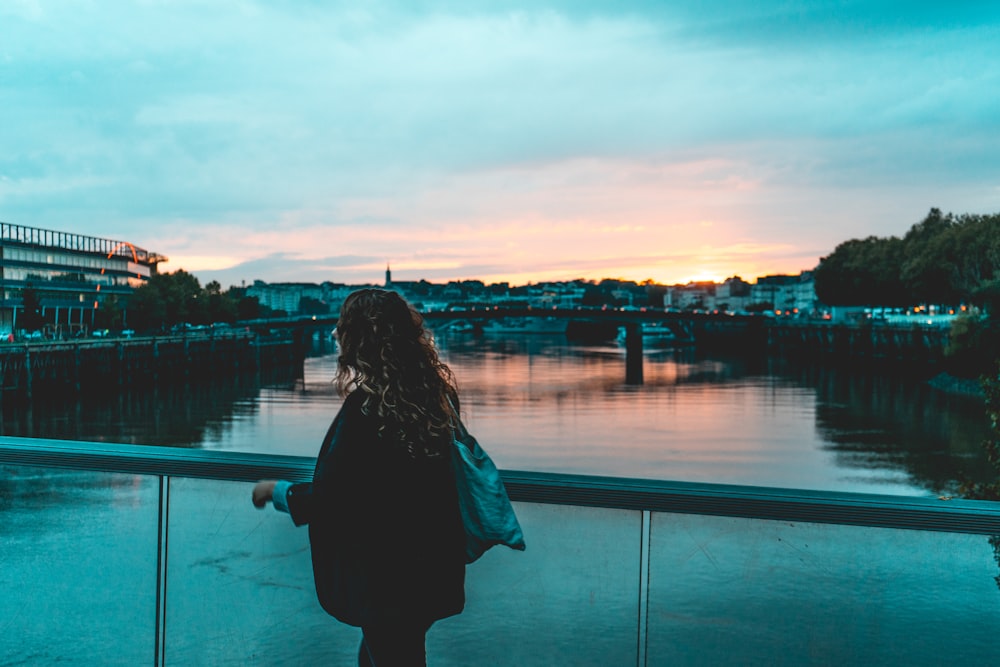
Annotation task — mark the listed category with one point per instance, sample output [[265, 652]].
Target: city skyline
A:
[[498, 142]]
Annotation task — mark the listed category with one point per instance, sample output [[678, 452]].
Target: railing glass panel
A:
[[240, 589], [756, 592], [78, 567], [572, 598]]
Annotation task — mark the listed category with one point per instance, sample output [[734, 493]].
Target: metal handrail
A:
[[748, 502]]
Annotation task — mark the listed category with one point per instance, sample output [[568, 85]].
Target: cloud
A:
[[288, 267], [501, 137]]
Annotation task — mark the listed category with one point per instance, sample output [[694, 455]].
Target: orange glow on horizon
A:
[[519, 250], [445, 271]]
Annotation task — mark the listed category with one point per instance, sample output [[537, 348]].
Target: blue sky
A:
[[312, 141]]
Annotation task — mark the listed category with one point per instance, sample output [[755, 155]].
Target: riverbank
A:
[[54, 368]]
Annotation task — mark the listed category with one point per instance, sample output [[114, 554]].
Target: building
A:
[[560, 295], [68, 276], [301, 298], [694, 295], [286, 297], [733, 294], [787, 293]]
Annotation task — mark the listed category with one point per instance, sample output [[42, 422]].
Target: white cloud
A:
[[313, 129]]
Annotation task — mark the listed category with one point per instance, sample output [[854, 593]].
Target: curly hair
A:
[[387, 353]]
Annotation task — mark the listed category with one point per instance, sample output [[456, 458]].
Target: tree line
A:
[[172, 298], [943, 259]]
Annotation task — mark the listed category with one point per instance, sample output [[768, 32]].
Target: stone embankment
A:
[[32, 370]]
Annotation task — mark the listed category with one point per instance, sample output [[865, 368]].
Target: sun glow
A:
[[702, 277]]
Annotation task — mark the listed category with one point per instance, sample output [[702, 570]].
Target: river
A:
[[539, 404]]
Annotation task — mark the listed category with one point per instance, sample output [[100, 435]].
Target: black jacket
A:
[[384, 528]]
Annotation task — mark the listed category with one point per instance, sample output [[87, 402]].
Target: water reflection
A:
[[741, 420], [180, 416], [871, 421]]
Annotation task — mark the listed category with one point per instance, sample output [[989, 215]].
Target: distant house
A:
[[285, 296], [693, 296], [787, 293], [556, 295], [733, 294]]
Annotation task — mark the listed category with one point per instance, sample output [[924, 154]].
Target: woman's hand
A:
[[263, 492]]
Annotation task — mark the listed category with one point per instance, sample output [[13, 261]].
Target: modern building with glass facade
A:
[[72, 276]]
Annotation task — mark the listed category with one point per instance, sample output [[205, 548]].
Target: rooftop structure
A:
[[70, 277]]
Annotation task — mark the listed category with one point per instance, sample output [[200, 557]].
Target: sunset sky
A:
[[521, 141]]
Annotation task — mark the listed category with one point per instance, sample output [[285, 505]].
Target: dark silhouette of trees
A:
[[109, 314], [31, 317], [220, 306], [928, 258], [311, 306], [943, 259], [167, 299], [174, 298], [248, 308], [862, 272]]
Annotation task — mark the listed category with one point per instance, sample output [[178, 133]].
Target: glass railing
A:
[[118, 554]]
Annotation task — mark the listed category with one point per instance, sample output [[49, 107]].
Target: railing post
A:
[[163, 525], [27, 370], [643, 589]]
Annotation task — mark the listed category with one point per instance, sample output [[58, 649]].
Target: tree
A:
[[862, 273], [593, 296], [109, 314], [973, 344], [248, 308], [928, 259], [990, 490], [975, 263], [219, 306], [31, 318], [655, 294], [183, 295], [943, 259], [311, 306], [168, 299]]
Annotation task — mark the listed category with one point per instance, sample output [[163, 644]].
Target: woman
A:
[[384, 525]]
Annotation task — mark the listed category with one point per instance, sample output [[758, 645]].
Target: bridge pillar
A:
[[633, 353]]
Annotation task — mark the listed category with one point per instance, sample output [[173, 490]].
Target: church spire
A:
[[388, 275]]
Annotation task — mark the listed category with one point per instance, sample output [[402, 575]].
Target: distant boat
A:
[[653, 335], [460, 327], [526, 325]]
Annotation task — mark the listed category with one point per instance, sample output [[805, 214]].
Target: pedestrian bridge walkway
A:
[[130, 555]]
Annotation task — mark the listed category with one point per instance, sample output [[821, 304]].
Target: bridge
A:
[[685, 322], [50, 365], [687, 328], [810, 338]]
